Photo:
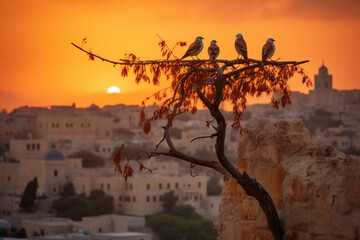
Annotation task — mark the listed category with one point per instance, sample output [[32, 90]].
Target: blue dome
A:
[[4, 224], [54, 155]]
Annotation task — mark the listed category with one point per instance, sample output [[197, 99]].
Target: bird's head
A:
[[199, 38], [239, 35], [271, 40], [213, 42]]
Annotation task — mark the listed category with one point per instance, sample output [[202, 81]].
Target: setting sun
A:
[[113, 89]]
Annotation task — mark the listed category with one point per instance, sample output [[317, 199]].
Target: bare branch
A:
[[210, 136]]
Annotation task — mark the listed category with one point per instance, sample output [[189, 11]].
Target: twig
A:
[[210, 136]]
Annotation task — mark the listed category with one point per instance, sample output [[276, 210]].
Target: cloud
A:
[[270, 9]]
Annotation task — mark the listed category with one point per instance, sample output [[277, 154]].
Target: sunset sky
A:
[[39, 66]]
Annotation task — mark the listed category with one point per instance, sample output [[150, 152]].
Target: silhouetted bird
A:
[[268, 49], [213, 50], [195, 48], [240, 46]]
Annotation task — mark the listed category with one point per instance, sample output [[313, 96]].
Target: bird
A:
[[268, 49], [195, 48], [240, 46], [213, 50]]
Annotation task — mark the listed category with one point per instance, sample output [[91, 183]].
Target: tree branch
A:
[[202, 137], [190, 62]]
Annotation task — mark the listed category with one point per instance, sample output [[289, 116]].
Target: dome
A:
[[323, 70], [4, 224], [54, 155]]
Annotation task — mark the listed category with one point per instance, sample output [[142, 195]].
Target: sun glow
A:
[[113, 89]]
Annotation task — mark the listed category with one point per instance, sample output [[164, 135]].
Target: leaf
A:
[[128, 171], [147, 126], [117, 159], [142, 117]]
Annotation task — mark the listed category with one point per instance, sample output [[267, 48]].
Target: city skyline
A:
[[41, 68]]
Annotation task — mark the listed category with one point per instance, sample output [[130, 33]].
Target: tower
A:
[[323, 81], [323, 96]]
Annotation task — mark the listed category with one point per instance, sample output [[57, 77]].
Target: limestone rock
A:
[[316, 189]]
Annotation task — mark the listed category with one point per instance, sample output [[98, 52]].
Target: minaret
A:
[[323, 92], [323, 81]]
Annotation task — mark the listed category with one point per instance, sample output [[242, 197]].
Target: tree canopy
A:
[[29, 195], [181, 223], [76, 207]]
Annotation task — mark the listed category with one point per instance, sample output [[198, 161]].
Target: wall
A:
[[316, 189]]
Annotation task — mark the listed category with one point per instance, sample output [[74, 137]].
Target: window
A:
[[120, 198], [148, 186], [168, 186], [108, 186], [134, 199], [176, 185], [102, 186], [28, 146], [9, 179], [55, 173], [148, 199], [154, 198], [38, 146], [130, 186], [160, 186], [199, 184], [33, 146]]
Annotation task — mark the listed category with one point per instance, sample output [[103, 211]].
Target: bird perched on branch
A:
[[268, 49], [195, 48], [240, 46], [213, 50]]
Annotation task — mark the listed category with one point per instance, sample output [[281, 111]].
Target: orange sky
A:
[[39, 67]]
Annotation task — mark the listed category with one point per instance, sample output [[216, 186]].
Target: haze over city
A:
[[81, 158], [40, 68]]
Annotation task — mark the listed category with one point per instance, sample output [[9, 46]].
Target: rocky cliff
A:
[[316, 189]]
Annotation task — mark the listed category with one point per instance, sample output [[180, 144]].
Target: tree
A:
[[182, 223], [21, 233], [29, 195], [169, 200], [76, 207], [209, 83], [89, 160], [68, 190]]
